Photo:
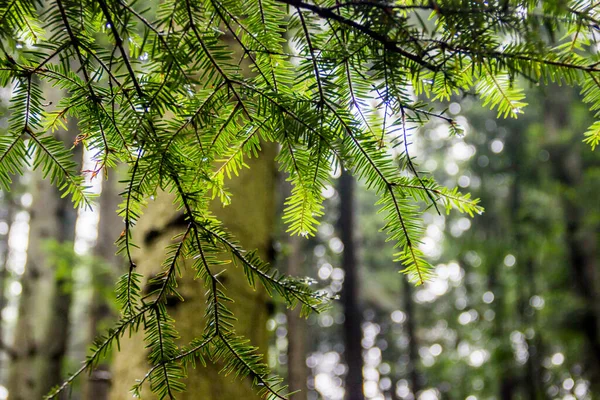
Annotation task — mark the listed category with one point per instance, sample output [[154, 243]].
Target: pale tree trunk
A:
[[9, 207], [250, 218], [55, 333], [42, 327], [296, 329], [110, 225], [350, 291]]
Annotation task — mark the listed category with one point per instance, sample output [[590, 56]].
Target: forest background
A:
[[511, 312]]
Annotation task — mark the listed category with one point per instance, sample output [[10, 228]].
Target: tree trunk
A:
[[583, 259], [296, 330], [520, 240], [43, 320], [110, 225], [413, 348], [250, 218], [503, 356], [582, 248], [350, 291], [9, 211]]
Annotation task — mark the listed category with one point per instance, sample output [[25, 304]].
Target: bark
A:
[[507, 388], [250, 218], [43, 317], [98, 385], [350, 291], [413, 347], [296, 330], [9, 210]]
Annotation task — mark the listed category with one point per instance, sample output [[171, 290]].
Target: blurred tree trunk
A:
[[413, 347], [109, 227], [582, 248], [583, 258], [519, 240], [250, 218], [43, 318], [531, 381], [55, 332], [503, 356], [9, 209], [296, 329], [350, 290]]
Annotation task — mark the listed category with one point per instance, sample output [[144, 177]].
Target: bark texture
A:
[[250, 218]]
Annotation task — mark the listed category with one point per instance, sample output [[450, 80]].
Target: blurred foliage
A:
[[74, 269], [504, 317]]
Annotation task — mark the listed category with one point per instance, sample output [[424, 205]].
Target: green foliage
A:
[[166, 94], [592, 136]]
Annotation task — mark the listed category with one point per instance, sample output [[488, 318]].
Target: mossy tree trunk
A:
[[250, 218]]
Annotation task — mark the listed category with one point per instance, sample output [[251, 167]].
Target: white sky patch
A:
[[478, 357], [398, 316], [497, 146], [568, 384], [510, 260], [488, 297], [557, 359], [462, 151], [537, 302], [18, 241], [87, 219]]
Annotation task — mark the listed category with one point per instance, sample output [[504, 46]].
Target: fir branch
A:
[[385, 41], [99, 350]]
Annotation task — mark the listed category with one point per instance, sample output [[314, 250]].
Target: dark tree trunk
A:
[[582, 249], [519, 241], [350, 291], [506, 388], [413, 347], [296, 329], [583, 253]]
